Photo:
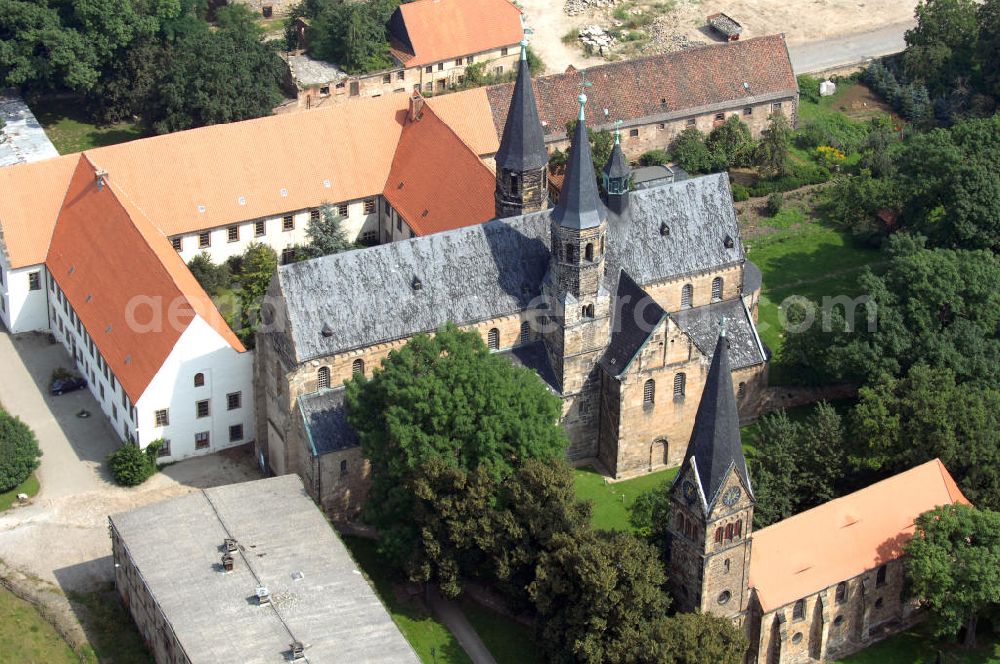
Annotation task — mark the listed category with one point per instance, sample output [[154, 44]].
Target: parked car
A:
[[68, 384]]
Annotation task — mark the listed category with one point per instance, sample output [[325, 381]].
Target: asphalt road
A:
[[818, 56]]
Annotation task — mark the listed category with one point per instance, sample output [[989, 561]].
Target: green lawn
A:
[[70, 130], [508, 641], [432, 640], [914, 647], [29, 486], [109, 626], [26, 637], [612, 500]]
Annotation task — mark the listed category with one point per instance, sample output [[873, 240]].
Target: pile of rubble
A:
[[667, 35], [596, 38], [574, 7]]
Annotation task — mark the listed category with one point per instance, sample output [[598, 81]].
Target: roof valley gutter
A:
[[246, 561]]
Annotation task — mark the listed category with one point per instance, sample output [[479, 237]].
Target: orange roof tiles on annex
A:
[[217, 175], [100, 277], [440, 30], [437, 182], [845, 537], [468, 113]]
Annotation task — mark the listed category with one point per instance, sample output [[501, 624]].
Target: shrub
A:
[[835, 130], [19, 451], [213, 278], [740, 192], [800, 175], [654, 158], [691, 153], [809, 88], [131, 466], [774, 203]]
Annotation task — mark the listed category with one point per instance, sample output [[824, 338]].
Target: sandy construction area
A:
[[800, 20]]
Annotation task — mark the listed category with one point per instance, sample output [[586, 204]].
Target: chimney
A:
[[416, 106], [101, 177], [263, 595], [230, 544], [227, 562], [298, 651]]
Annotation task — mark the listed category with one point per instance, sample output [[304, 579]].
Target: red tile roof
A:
[[841, 539], [110, 261], [436, 181], [438, 30], [675, 82]]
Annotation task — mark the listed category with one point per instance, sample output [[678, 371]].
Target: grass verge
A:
[[916, 647], [431, 640], [29, 486], [109, 626], [27, 638], [70, 130], [613, 500]]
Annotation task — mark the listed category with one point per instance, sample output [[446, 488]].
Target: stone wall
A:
[[531, 193], [830, 629]]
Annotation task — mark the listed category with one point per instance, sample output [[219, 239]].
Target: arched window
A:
[[588, 252], [649, 392], [741, 391], [726, 565], [358, 367], [738, 528], [680, 384], [570, 253], [514, 184], [687, 295], [525, 333], [493, 338], [343, 467], [587, 311], [716, 289], [799, 612], [602, 245], [323, 378], [718, 535], [199, 380], [729, 531], [841, 596]]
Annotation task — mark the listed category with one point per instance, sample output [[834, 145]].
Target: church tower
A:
[[711, 505], [617, 178], [521, 159], [578, 301]]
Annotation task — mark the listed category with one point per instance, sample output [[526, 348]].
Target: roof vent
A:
[[128, 359], [242, 200], [400, 186], [227, 562], [326, 183], [263, 595], [327, 330], [72, 269], [89, 297], [107, 329], [663, 101], [284, 192], [298, 651], [230, 544], [746, 86], [201, 208], [416, 283], [664, 229], [101, 176], [424, 213], [728, 242]]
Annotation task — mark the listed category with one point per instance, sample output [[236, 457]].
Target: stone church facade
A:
[[613, 300], [815, 587]]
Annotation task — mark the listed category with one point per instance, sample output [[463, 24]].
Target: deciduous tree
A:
[[19, 451]]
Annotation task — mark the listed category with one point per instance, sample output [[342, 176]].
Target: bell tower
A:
[[711, 504], [521, 159], [617, 176]]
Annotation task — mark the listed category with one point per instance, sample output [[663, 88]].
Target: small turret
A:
[[617, 178], [580, 205]]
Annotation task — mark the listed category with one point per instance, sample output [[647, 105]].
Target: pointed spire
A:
[[522, 146], [715, 442], [617, 166], [580, 204]]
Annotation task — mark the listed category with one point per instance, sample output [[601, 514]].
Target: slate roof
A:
[[753, 279], [22, 138], [580, 204], [325, 418], [494, 269], [635, 317], [702, 325], [663, 86], [534, 356], [617, 166], [715, 450], [522, 143], [318, 595]]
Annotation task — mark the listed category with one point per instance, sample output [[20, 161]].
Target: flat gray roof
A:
[[318, 595], [22, 139], [307, 72]]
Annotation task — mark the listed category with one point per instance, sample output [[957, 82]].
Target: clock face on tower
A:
[[731, 496], [690, 492]]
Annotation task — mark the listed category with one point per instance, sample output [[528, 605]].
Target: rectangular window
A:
[[341, 85], [387, 78], [204, 240], [370, 206], [799, 612], [234, 400], [428, 87], [720, 117], [633, 132], [440, 66], [661, 126], [748, 110], [114, 413], [259, 228], [441, 84], [458, 62], [498, 70], [429, 69], [235, 433], [233, 233], [34, 281], [162, 417], [314, 215], [325, 90], [503, 51], [287, 223], [690, 122], [399, 224], [776, 106], [201, 440], [469, 60], [880, 576], [400, 75], [164, 449], [342, 209], [287, 255], [201, 408], [175, 242]]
